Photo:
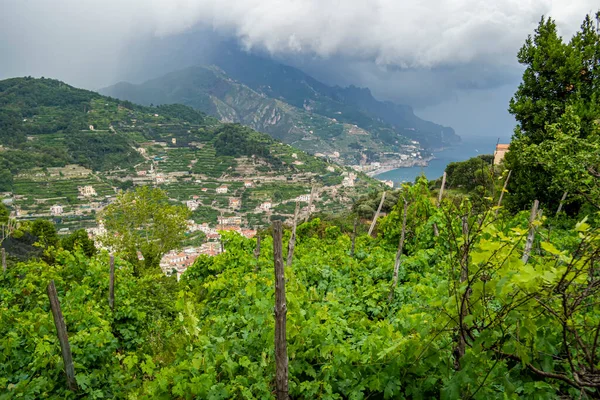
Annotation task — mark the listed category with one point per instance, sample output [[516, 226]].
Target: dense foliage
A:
[[468, 319], [559, 78]]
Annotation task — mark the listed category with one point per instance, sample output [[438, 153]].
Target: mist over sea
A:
[[469, 147]]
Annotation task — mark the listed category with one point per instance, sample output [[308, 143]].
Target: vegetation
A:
[[557, 109], [143, 221]]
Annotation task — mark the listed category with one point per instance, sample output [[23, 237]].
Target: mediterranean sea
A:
[[467, 148]]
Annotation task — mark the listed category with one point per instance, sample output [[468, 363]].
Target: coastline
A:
[[400, 164]]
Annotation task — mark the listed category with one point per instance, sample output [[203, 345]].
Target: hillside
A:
[[57, 140], [352, 105], [295, 108], [210, 90]]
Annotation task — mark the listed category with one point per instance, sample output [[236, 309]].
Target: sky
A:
[[454, 61]]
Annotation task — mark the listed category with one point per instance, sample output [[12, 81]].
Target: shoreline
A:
[[409, 164]]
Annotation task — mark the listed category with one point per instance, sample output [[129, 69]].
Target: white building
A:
[[222, 189], [248, 184], [192, 205], [265, 206], [87, 191], [234, 202], [303, 197], [56, 210], [389, 183]]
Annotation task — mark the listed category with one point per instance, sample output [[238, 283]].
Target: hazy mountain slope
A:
[[352, 105], [210, 90]]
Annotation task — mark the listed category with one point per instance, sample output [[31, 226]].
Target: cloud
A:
[[86, 41]]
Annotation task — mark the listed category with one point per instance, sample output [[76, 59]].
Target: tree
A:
[[79, 238], [144, 221], [557, 75], [45, 231]]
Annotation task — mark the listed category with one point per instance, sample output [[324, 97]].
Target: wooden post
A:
[[436, 231], [459, 350], [292, 242], [562, 200], [377, 213], [503, 190], [531, 234], [281, 357], [442, 189], [310, 202], [354, 236], [399, 252], [3, 260], [61, 330], [257, 249], [111, 284]]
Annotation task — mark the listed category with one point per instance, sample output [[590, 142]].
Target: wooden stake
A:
[[503, 190], [3, 260], [399, 252], [531, 234], [436, 231], [439, 202], [61, 330], [354, 236], [377, 213], [292, 242], [562, 200], [310, 202], [111, 284], [257, 249], [281, 357]]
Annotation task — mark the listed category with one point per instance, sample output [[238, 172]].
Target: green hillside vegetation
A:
[[56, 139]]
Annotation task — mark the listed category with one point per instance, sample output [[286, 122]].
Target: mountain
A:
[[210, 90], [293, 107], [57, 140], [351, 105]]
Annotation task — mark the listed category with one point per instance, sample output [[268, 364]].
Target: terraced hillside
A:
[[66, 152], [210, 90]]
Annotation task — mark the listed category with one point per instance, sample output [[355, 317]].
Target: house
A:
[[174, 140], [160, 179], [142, 173], [87, 191], [265, 206], [234, 202], [222, 189], [204, 189], [501, 150], [229, 220], [248, 184], [294, 155], [388, 183], [56, 210], [303, 197], [192, 205], [330, 169]]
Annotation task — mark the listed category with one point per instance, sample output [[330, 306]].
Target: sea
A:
[[467, 148]]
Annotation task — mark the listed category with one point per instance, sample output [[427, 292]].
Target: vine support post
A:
[[111, 284], [436, 231], [257, 249], [61, 330], [281, 357], [354, 236], [531, 234], [377, 213], [3, 260], [292, 242], [562, 201], [502, 192], [399, 252], [310, 202]]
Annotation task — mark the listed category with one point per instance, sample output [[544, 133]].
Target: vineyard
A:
[[469, 317]]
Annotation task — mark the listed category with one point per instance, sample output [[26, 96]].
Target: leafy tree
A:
[[557, 75], [144, 221], [45, 231], [79, 238]]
